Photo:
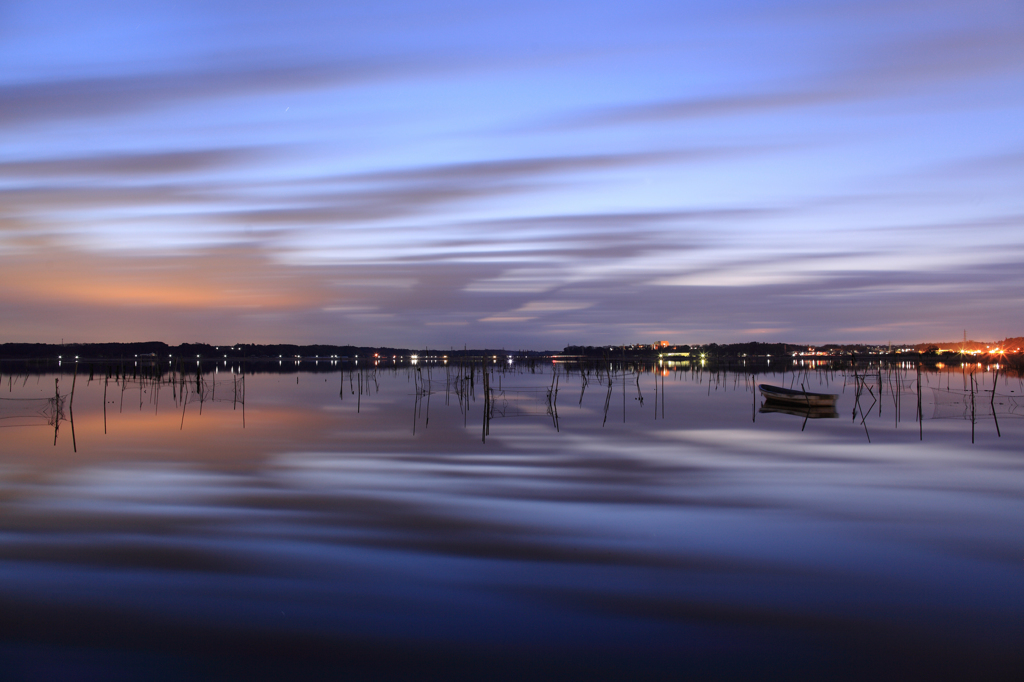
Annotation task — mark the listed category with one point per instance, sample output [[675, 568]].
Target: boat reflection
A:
[[814, 412]]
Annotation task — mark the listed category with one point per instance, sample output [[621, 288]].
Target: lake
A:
[[322, 519]]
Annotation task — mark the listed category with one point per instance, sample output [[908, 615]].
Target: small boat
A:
[[789, 396]]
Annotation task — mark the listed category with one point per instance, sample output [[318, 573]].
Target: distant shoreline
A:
[[157, 350]]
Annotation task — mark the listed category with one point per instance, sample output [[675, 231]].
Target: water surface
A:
[[374, 523]]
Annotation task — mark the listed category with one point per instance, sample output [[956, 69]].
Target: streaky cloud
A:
[[888, 71], [131, 164], [124, 94]]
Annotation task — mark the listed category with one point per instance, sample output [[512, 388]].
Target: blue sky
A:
[[524, 175]]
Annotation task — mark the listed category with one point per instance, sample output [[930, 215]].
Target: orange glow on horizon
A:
[[182, 282]]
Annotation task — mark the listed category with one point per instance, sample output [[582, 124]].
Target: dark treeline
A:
[[158, 349], [711, 350], [1010, 343], [248, 351], [116, 351]]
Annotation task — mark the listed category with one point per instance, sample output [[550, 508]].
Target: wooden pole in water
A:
[[71, 418], [921, 419], [184, 402], [995, 380], [623, 384], [807, 399], [655, 397], [71, 409], [430, 384], [972, 407], [880, 391], [73, 379], [56, 408]]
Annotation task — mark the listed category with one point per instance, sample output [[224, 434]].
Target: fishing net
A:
[[958, 404], [31, 411], [229, 388]]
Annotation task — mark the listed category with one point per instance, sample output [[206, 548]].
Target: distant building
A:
[[661, 344]]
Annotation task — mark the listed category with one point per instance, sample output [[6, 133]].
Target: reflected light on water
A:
[[623, 521]]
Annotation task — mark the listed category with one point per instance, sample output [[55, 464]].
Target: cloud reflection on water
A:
[[630, 539]]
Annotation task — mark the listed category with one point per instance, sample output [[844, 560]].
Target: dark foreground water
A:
[[366, 525]]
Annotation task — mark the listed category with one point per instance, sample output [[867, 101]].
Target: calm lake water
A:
[[373, 524]]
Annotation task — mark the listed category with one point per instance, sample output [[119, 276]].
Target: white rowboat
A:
[[788, 396]]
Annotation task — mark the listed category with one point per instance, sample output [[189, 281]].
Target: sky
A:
[[518, 175]]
